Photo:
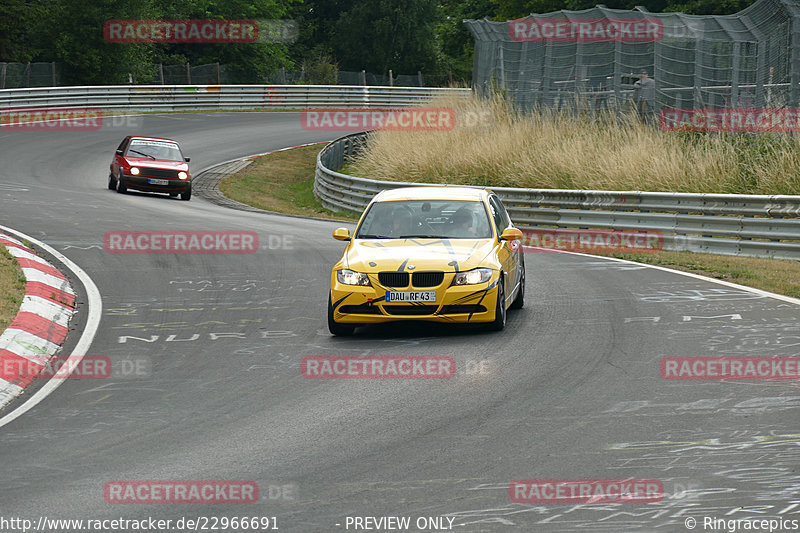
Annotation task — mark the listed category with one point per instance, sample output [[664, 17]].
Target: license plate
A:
[[153, 181], [411, 296]]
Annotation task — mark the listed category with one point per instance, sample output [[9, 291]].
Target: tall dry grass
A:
[[551, 150]]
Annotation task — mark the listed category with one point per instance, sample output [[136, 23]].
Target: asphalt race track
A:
[[570, 390]]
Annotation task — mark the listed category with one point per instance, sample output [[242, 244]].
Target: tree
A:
[[378, 35]]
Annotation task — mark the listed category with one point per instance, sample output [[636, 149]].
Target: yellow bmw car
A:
[[436, 254]]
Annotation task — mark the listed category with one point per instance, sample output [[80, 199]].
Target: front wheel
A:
[[121, 188], [499, 322], [334, 327], [112, 183], [187, 195]]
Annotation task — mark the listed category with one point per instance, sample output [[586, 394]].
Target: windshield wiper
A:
[[142, 153], [421, 237], [368, 236]]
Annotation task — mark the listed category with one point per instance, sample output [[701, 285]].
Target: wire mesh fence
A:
[[20, 75], [17, 75], [574, 59]]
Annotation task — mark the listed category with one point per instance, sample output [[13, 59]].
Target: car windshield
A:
[[165, 151], [435, 219]]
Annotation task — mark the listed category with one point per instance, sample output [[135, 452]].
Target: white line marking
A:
[[94, 313], [787, 299]]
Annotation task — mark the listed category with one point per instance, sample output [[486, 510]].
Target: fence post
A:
[[3, 76], [188, 74], [364, 77], [283, 75], [419, 77], [53, 72], [391, 83], [28, 74], [161, 72], [217, 72]]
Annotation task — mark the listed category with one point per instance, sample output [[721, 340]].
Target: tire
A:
[[112, 183], [187, 195], [519, 301], [121, 188], [173, 195], [499, 322], [334, 327]]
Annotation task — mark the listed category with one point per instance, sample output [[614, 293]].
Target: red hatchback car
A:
[[150, 164]]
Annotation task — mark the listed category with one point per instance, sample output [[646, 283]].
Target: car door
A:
[[115, 163], [509, 258]]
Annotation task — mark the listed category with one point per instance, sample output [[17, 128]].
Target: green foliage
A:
[[375, 35]]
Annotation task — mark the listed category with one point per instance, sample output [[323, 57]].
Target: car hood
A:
[[449, 255], [156, 163]]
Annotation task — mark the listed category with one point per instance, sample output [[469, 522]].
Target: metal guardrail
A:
[[729, 224], [203, 97]]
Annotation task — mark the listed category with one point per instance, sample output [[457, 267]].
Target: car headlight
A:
[[183, 175], [349, 277], [134, 171], [473, 277]]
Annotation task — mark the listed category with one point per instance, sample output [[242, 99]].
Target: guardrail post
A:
[[161, 72], [53, 72], [3, 76], [188, 74], [364, 78]]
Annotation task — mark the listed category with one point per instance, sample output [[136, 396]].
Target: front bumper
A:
[[459, 304], [140, 183]]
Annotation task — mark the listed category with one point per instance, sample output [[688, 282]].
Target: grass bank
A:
[[496, 146], [12, 288]]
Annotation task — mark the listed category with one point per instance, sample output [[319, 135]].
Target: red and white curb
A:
[[41, 325]]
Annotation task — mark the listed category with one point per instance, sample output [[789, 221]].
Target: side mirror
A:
[[119, 152], [341, 234], [511, 234], [187, 159]]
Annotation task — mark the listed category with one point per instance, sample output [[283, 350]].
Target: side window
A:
[[123, 144], [499, 214]]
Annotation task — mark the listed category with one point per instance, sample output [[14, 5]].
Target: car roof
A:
[[139, 137], [432, 193]]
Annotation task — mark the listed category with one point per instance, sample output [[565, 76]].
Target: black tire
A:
[[121, 188], [334, 327], [519, 301], [499, 322], [187, 195], [112, 183]]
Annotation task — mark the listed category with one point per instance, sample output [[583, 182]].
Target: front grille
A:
[[363, 309], [158, 173], [455, 309], [410, 309], [393, 279], [427, 279]]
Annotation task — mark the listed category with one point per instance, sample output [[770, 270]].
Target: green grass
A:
[[12, 288], [282, 182]]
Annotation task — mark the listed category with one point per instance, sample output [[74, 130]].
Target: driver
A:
[[462, 223]]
